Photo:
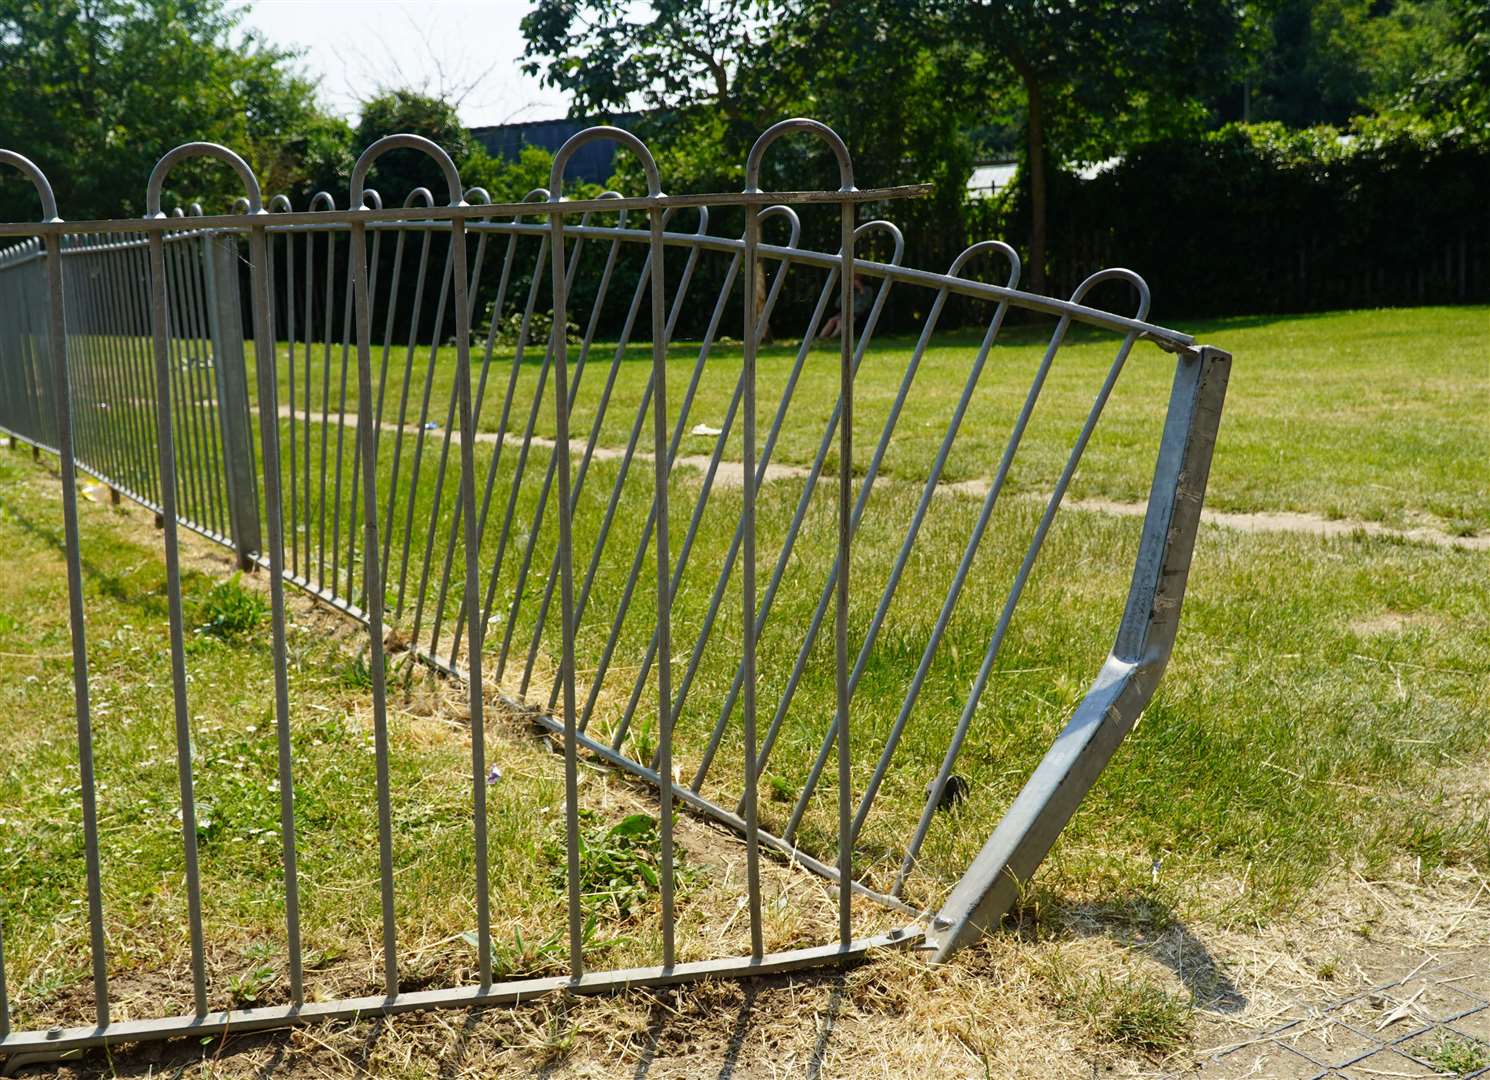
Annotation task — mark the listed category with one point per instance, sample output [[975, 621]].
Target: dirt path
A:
[[731, 475]]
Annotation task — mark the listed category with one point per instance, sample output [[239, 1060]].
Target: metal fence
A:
[[472, 494]]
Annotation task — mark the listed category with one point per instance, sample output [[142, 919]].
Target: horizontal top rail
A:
[[428, 217], [239, 222]]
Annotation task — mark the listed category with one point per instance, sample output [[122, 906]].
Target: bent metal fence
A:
[[500, 508]]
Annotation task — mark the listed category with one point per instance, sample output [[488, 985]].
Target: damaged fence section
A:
[[479, 431]]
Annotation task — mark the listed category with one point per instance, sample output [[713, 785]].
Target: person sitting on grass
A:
[[862, 297]]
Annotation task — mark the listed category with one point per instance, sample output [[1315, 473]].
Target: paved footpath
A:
[[1431, 1021]]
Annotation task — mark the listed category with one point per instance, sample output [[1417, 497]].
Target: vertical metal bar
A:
[[504, 532], [722, 584], [372, 291], [601, 409], [639, 424], [662, 461], [458, 519], [472, 584], [533, 531], [268, 380], [501, 428], [289, 250], [134, 346], [372, 572], [75, 315], [420, 438], [589, 338], [140, 300], [566, 587], [309, 313], [747, 586], [403, 404], [457, 276], [166, 441], [123, 414], [341, 414], [501, 434], [845, 537], [804, 503], [4, 993], [226, 323], [61, 396], [326, 314]]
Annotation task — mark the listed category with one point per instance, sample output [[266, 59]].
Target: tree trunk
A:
[[760, 300], [1038, 194]]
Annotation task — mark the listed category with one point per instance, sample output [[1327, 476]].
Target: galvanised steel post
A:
[[225, 321]]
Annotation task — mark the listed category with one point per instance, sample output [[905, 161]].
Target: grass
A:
[[1308, 393], [1320, 702]]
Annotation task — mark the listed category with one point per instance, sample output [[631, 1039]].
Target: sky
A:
[[465, 51]]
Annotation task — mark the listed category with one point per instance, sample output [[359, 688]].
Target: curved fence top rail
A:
[[422, 214], [952, 280]]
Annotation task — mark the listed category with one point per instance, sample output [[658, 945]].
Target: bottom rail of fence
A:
[[34, 1047]]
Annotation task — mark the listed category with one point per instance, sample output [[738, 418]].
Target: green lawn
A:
[[1323, 700], [1371, 415]]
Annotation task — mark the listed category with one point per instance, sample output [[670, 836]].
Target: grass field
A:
[[1372, 415], [1326, 700]]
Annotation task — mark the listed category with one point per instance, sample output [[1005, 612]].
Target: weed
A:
[[230, 612], [618, 864], [641, 740], [527, 957], [246, 988], [356, 675], [1457, 1056]]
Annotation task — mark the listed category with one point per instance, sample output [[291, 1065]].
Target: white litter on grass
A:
[[706, 430]]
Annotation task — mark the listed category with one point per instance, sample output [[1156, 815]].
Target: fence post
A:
[[225, 317]]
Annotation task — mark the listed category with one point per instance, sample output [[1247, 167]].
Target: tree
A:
[[1091, 76], [96, 91], [400, 172], [711, 77], [1455, 86], [610, 57], [1326, 61]]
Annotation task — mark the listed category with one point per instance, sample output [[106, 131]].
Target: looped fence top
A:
[[164, 166], [594, 134], [981, 246], [1116, 273], [421, 195], [786, 127], [406, 142], [38, 180], [794, 223], [897, 238]]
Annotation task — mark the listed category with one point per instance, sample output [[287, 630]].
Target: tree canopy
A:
[[921, 88], [95, 91]]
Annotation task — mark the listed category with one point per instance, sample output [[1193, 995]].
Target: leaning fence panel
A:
[[521, 448]]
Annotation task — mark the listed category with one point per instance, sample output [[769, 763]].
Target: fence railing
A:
[[636, 540]]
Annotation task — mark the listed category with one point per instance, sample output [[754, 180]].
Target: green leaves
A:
[[95, 92], [619, 864]]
